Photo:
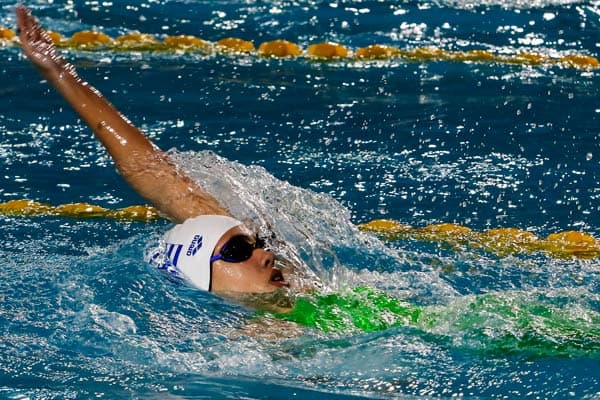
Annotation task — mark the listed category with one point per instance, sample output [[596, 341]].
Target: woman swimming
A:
[[209, 247], [217, 253]]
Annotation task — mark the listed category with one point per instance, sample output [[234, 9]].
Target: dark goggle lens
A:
[[240, 248]]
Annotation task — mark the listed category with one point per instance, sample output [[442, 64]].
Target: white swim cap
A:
[[191, 244]]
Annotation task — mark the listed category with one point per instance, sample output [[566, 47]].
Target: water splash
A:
[[312, 230]]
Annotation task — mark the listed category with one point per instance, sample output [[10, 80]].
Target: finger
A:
[[31, 31], [22, 12], [24, 23], [24, 18]]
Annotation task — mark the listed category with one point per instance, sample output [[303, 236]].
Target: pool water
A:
[[308, 149]]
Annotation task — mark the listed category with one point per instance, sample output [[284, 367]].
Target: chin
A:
[[238, 293], [276, 300]]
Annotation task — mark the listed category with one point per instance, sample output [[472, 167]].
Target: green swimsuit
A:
[[361, 308], [508, 322]]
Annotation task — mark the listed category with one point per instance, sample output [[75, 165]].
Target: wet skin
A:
[[135, 155], [122, 140], [258, 274]]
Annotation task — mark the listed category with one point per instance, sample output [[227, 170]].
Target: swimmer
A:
[[217, 253], [209, 248]]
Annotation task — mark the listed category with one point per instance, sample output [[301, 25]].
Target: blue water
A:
[[312, 148]]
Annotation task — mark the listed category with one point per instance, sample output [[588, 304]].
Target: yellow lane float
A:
[[137, 41], [55, 37], [389, 229], [327, 51], [77, 210], [377, 52], [186, 42], [279, 48], [235, 45], [427, 54], [579, 61], [25, 207], [452, 234], [89, 39], [501, 241], [6, 34], [93, 40], [527, 59], [474, 56], [504, 241], [572, 243]]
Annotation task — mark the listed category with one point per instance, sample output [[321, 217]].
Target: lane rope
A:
[[24, 207], [500, 241], [324, 51]]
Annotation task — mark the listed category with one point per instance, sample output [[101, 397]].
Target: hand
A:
[[38, 46]]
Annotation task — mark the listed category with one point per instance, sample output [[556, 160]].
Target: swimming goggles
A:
[[238, 249]]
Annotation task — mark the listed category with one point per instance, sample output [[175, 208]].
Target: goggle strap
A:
[[215, 258]]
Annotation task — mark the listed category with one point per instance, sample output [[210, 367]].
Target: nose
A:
[[267, 258]]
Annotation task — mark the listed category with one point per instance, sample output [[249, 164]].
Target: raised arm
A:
[[144, 166]]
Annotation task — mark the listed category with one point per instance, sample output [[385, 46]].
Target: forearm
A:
[[113, 130], [144, 166]]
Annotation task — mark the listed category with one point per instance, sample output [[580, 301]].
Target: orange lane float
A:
[[77, 210], [89, 39], [7, 34], [377, 52], [137, 41], [504, 241], [327, 51], [186, 42], [235, 45], [55, 37], [580, 61], [450, 232], [572, 243], [279, 48], [93, 40], [501, 241], [475, 56], [426, 54], [387, 228], [527, 59]]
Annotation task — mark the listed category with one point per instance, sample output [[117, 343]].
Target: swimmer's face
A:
[[257, 274]]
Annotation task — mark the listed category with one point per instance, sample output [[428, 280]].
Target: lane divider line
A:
[[324, 51]]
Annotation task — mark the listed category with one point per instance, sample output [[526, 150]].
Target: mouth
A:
[[277, 278]]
